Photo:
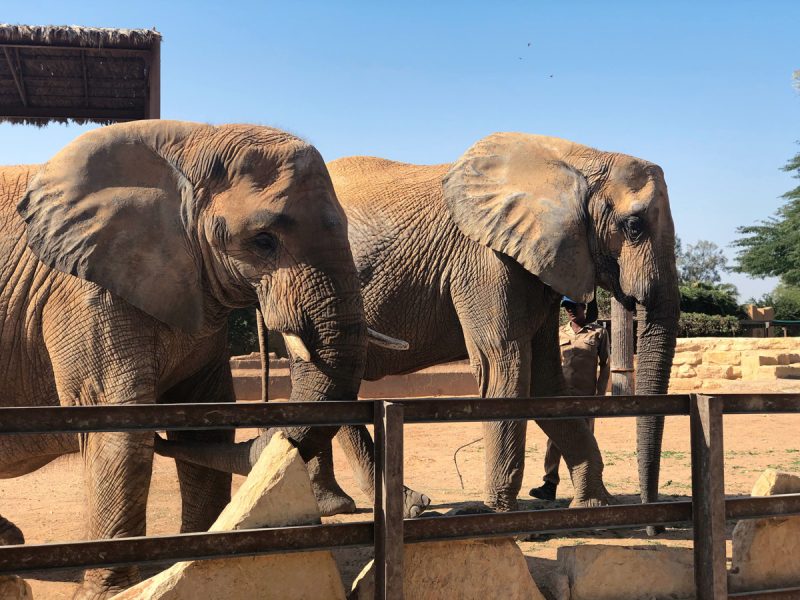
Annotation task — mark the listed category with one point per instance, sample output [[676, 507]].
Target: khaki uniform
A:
[[581, 353]]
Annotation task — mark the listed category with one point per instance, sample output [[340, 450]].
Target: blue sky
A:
[[703, 89]]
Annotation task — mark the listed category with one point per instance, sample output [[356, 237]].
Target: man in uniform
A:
[[584, 348]]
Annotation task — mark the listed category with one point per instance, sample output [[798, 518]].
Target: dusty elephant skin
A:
[[121, 259], [470, 259]]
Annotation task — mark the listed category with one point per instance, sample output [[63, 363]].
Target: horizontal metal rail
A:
[[74, 419], [202, 546]]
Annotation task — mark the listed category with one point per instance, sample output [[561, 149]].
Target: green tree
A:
[[771, 248], [703, 262]]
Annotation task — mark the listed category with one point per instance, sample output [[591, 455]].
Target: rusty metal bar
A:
[[743, 404], [759, 507], [187, 546], [708, 497], [61, 419], [199, 546], [180, 416], [790, 593], [388, 501]]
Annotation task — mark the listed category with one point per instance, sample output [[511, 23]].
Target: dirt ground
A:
[[49, 505]]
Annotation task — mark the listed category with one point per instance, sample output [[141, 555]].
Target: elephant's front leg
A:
[[573, 437], [204, 491], [118, 469]]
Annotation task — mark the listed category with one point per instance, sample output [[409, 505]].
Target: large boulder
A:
[[464, 569], [766, 551], [605, 572], [277, 493], [14, 588]]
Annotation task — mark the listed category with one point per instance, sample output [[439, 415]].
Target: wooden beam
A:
[[138, 52], [708, 497], [16, 74], [85, 80], [622, 383], [105, 114], [153, 106]]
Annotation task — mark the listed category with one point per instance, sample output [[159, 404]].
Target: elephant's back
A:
[[365, 180]]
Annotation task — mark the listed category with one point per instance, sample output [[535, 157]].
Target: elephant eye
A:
[[266, 242], [634, 228]]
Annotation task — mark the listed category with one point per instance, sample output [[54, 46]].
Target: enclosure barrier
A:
[[708, 510]]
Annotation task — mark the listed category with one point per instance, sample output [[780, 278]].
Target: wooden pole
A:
[[622, 383], [388, 501], [708, 497]]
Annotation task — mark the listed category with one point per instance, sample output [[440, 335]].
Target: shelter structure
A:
[[78, 74]]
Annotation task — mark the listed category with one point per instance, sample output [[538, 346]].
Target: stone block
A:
[[14, 588], [605, 572], [687, 358], [765, 551], [277, 493], [718, 357], [787, 372], [714, 371], [765, 554], [684, 385], [772, 482], [684, 371], [480, 569]]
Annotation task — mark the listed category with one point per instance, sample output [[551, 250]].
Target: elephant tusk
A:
[[296, 346], [384, 341]]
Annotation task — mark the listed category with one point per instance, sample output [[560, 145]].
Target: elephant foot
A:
[[10, 535], [332, 500], [602, 499], [414, 503], [502, 503], [100, 584]]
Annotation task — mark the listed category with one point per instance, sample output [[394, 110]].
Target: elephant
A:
[[471, 259], [121, 259]]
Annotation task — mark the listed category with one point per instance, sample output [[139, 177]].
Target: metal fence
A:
[[708, 510]]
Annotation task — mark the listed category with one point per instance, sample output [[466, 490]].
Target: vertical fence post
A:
[[388, 501], [621, 350], [708, 497]]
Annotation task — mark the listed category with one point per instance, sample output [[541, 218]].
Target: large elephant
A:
[[120, 261], [471, 259]]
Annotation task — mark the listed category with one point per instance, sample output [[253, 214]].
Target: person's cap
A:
[[567, 301]]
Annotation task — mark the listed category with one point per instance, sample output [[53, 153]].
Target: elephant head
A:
[[577, 217], [187, 221]]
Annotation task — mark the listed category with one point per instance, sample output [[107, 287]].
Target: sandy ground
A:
[[49, 505]]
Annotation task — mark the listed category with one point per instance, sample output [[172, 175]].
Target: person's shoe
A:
[[545, 492]]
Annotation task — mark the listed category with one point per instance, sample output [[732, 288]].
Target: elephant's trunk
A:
[[658, 326], [236, 458]]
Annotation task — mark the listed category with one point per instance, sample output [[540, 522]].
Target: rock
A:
[[772, 482], [277, 493], [723, 358], [765, 551], [14, 588], [765, 554], [604, 572], [480, 569], [687, 358], [714, 371]]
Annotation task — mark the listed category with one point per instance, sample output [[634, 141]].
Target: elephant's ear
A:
[[513, 193], [110, 210]]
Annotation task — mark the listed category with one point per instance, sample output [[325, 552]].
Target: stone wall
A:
[[735, 364]]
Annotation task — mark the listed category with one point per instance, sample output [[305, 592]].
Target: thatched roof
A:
[[80, 74]]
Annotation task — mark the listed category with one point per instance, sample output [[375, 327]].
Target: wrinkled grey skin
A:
[[460, 269], [471, 259], [120, 260]]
